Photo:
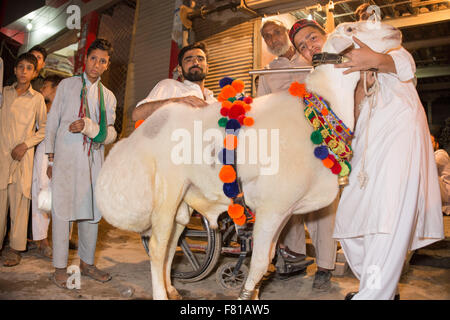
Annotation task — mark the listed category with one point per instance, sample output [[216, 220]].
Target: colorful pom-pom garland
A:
[[330, 133], [234, 108]]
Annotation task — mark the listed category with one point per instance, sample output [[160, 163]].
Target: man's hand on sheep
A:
[[192, 101], [76, 126], [364, 58]]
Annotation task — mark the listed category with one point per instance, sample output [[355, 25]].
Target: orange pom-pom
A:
[[221, 98], [230, 142], [324, 111], [240, 221], [235, 211], [247, 107], [249, 121], [138, 123], [238, 85], [228, 92], [297, 89], [227, 174], [238, 103], [226, 104], [327, 162]]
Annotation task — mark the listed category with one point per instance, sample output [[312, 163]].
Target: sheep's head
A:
[[380, 37]]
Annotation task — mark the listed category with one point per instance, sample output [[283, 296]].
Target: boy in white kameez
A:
[[41, 219], [80, 123]]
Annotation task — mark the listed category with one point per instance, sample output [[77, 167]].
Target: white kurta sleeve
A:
[[263, 87], [404, 64], [54, 117], [163, 90]]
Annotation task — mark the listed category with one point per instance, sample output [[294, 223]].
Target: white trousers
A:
[[87, 241], [40, 221], [320, 225]]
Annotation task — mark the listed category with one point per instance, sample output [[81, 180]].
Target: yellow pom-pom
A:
[[227, 174], [238, 85]]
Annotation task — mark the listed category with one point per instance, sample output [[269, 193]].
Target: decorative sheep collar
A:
[[234, 108], [330, 134]]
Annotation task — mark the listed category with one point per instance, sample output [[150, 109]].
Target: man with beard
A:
[[320, 224], [192, 63], [275, 35]]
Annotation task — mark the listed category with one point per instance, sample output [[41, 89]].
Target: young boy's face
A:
[[41, 62], [24, 72], [49, 92], [96, 63]]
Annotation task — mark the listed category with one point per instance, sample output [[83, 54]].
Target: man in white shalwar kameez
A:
[[398, 161], [70, 138], [392, 203], [320, 224]]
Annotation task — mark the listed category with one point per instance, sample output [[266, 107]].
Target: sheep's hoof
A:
[[247, 294], [173, 294]]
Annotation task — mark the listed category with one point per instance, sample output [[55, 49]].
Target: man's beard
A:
[[197, 75], [279, 50]]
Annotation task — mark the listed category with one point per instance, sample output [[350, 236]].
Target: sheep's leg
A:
[[162, 227], [171, 290], [182, 219], [265, 235]]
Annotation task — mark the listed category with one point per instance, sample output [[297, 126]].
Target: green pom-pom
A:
[[316, 137], [232, 99], [348, 165], [223, 122]]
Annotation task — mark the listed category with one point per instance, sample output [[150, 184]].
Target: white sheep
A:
[[141, 189]]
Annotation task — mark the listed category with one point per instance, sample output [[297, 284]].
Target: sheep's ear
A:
[[340, 43]]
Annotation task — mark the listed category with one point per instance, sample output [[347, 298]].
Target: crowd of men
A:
[[53, 132]]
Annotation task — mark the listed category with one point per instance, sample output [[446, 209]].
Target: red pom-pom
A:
[[339, 129], [224, 111], [235, 111], [248, 100], [336, 169], [241, 119]]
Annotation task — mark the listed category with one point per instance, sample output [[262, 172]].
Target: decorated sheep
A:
[[150, 178]]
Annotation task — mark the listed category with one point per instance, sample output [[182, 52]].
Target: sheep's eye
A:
[[349, 29]]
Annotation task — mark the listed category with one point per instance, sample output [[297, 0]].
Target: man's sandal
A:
[[93, 272], [59, 283], [12, 258]]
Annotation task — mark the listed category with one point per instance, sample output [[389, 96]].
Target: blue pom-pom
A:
[[233, 125], [241, 98], [321, 152], [231, 190], [225, 81], [226, 156]]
